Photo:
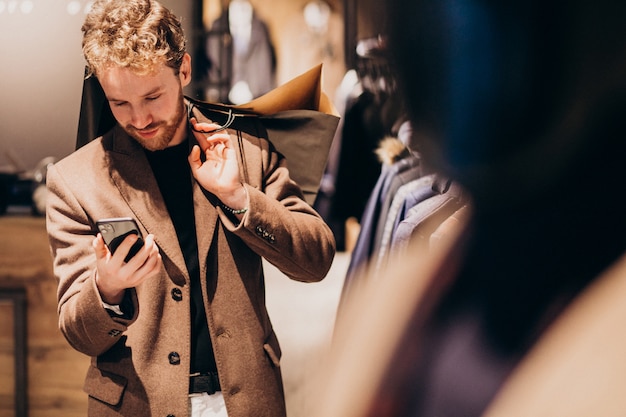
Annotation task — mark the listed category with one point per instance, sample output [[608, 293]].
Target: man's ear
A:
[[185, 70]]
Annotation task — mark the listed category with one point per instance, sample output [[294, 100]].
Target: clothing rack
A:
[[372, 65]]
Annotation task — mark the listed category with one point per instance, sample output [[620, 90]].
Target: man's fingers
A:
[[194, 158], [122, 250], [219, 149], [209, 143], [99, 247], [151, 266], [206, 127], [148, 254]]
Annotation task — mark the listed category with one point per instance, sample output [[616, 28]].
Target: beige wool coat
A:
[[140, 366]]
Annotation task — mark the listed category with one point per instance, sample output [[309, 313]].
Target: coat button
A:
[[177, 294], [271, 238], [171, 415], [174, 358], [259, 230], [223, 333]]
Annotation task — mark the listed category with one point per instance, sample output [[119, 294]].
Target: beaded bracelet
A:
[[238, 211], [233, 211]]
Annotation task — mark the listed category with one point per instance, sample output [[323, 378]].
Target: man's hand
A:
[[219, 173], [114, 275]]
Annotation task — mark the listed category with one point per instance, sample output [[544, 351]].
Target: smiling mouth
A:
[[148, 133]]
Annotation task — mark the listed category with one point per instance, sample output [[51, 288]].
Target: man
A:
[[181, 328]]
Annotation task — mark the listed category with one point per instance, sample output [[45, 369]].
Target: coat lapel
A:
[[206, 222], [129, 168], [131, 173], [204, 211]]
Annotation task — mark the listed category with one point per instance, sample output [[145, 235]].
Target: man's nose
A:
[[141, 118]]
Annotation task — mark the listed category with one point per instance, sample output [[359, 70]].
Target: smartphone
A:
[[115, 230]]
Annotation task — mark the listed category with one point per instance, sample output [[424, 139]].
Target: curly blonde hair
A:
[[135, 34]]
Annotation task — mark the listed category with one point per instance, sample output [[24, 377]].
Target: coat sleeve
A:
[[83, 320], [280, 226]]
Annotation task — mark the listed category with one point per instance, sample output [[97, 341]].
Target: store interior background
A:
[[41, 83], [42, 66]]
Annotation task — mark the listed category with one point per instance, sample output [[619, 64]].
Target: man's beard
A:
[[168, 129]]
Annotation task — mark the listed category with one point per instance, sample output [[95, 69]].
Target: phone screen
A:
[[115, 230]]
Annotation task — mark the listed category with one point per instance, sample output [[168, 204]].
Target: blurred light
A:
[[27, 6], [11, 6], [316, 15], [73, 7]]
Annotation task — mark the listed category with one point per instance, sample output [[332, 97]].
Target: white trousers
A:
[[205, 405]]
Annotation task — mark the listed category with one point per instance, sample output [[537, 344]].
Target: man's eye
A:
[[152, 98], [119, 103]]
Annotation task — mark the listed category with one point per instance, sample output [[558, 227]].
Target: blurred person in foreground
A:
[[182, 327], [523, 103]]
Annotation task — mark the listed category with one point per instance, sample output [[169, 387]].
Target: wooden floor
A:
[[303, 315]]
